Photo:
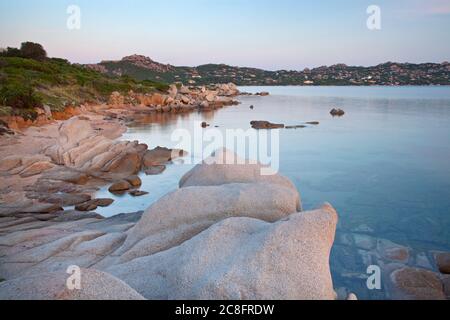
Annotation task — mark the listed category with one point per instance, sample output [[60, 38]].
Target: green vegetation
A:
[[29, 50], [29, 80], [2, 280]]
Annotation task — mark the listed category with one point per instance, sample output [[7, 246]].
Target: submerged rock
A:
[[155, 170], [443, 262], [301, 126], [392, 251], [416, 284]]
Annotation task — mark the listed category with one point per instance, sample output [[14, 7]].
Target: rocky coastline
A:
[[236, 237], [226, 233]]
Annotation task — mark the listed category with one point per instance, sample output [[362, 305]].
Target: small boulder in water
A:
[[120, 186], [337, 112], [134, 180], [265, 125], [138, 193]]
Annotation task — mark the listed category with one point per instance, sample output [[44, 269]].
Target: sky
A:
[[269, 34]]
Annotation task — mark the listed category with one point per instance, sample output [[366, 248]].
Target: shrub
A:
[[19, 96], [33, 50], [11, 52]]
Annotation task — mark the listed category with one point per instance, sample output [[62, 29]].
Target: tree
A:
[[33, 50], [11, 52]]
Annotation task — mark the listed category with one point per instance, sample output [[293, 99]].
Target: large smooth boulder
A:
[[71, 133], [186, 212], [224, 166], [95, 285], [243, 258]]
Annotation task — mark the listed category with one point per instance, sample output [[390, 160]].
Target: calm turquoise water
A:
[[385, 165]]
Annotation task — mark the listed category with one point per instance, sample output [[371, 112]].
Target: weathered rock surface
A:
[[61, 199], [301, 126], [243, 258], [80, 147], [36, 168], [94, 285], [10, 162], [224, 166], [189, 211]]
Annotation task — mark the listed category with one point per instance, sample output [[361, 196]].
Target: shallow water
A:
[[384, 166]]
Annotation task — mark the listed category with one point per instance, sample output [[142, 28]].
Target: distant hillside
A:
[[30, 80], [389, 73]]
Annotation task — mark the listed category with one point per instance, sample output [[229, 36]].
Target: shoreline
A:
[[50, 147], [38, 231]]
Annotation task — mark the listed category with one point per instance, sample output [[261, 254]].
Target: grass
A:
[[26, 84]]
